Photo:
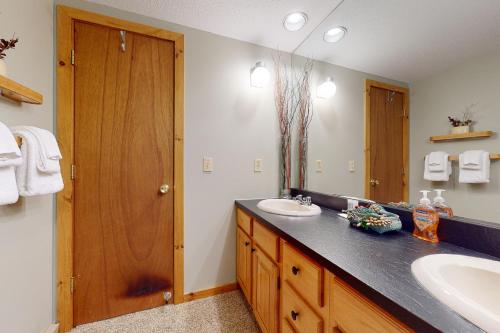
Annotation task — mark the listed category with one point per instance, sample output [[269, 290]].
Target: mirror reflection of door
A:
[[387, 137]]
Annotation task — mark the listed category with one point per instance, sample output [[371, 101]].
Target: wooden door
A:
[[244, 263], [123, 230], [265, 291], [386, 136]]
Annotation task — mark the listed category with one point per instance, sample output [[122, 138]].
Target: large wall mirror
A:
[[396, 87]]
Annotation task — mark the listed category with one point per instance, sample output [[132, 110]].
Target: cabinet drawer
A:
[[304, 275], [244, 221], [356, 314], [296, 312], [266, 240]]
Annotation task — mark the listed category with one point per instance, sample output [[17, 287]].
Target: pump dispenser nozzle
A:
[[425, 200], [439, 196]]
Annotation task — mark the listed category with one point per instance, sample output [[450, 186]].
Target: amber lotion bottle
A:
[[425, 220]]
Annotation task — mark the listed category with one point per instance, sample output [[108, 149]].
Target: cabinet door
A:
[[244, 263], [265, 291]]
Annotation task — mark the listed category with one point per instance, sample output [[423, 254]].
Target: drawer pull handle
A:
[[247, 243], [294, 315], [295, 270]]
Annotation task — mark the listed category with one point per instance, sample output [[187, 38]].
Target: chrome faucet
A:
[[303, 201]]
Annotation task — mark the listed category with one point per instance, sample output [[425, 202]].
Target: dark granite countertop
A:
[[379, 266]]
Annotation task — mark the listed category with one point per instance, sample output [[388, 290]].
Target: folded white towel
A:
[[469, 174], [8, 187], [472, 159], [10, 156], [49, 154], [438, 161], [32, 178], [8, 145], [435, 176]]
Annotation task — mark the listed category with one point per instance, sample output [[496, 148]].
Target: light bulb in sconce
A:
[[259, 75], [327, 89]]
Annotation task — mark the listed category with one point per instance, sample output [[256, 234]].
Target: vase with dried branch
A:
[[286, 109], [4, 46], [305, 113]]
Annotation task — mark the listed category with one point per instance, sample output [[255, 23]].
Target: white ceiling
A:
[[255, 21], [405, 40], [408, 40]]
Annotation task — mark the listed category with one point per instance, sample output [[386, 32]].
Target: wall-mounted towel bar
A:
[[492, 157], [19, 140]]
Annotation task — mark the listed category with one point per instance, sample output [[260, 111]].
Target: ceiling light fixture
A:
[[259, 75], [334, 35], [295, 21], [327, 89]]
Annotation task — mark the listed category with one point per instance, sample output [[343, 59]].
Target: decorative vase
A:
[[3, 67], [460, 129]]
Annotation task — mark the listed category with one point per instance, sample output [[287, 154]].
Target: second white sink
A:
[[468, 285], [288, 207]]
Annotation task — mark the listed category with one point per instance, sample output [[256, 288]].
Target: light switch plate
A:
[[352, 166], [208, 164], [257, 165], [319, 166]]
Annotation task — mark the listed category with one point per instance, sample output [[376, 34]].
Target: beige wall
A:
[[26, 230], [431, 101]]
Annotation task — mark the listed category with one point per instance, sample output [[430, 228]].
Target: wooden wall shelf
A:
[[17, 92], [492, 157], [470, 135]]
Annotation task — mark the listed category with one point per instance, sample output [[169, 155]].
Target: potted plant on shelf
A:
[[5, 45], [462, 126]]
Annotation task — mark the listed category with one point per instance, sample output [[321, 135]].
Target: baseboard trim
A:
[[53, 328], [210, 292]]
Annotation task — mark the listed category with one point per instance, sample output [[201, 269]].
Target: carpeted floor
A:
[[222, 313]]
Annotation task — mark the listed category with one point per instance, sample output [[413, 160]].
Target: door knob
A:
[[164, 189], [374, 182]]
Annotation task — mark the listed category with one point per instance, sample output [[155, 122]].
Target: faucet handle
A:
[[298, 197]]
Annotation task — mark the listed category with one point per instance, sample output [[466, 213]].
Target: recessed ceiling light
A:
[[295, 21], [335, 34]]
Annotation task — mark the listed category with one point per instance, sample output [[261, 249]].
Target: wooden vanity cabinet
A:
[[290, 292]]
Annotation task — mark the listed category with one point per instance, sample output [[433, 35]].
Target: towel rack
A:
[[19, 140], [492, 157]]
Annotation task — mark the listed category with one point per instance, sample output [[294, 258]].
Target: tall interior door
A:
[[124, 159], [387, 172]]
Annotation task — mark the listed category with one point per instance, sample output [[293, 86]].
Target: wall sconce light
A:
[[259, 75], [327, 89]]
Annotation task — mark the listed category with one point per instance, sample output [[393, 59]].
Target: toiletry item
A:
[[440, 205], [426, 220]]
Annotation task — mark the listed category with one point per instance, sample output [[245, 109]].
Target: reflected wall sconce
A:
[[327, 89], [259, 75]]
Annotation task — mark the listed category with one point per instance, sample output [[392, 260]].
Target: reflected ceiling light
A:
[[334, 35], [259, 75], [327, 89], [295, 21]]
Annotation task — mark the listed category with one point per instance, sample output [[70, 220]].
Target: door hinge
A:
[[72, 284], [72, 56], [73, 172]]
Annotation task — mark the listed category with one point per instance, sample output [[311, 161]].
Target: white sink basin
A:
[[288, 207], [468, 285]]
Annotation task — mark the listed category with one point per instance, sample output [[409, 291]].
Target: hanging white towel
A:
[[10, 156], [438, 176], [48, 154], [8, 145], [32, 176], [474, 167], [438, 161]]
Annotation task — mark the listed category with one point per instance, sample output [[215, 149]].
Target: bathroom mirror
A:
[[381, 91]]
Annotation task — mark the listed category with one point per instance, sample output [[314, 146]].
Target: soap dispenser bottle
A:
[[425, 220], [440, 205]]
